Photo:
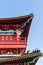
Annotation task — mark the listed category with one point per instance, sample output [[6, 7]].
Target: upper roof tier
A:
[[23, 21], [16, 20]]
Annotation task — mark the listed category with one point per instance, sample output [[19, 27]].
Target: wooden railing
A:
[[11, 39]]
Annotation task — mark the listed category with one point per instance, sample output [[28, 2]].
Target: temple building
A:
[[13, 41]]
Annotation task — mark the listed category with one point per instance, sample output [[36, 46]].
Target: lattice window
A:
[[5, 27]]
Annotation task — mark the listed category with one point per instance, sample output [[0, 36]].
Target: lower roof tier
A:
[[28, 57]]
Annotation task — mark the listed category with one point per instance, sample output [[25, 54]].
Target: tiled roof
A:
[[30, 57]]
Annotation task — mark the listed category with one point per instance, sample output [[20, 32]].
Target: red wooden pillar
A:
[[17, 37]]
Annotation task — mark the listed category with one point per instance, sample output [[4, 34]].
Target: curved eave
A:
[[16, 20], [27, 28]]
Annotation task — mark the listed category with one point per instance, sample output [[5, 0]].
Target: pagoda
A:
[[13, 41]]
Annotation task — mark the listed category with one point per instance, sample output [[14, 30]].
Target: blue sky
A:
[[13, 8]]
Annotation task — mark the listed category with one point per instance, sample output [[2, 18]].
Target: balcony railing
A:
[[11, 39]]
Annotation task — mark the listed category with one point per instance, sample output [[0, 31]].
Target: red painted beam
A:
[[12, 46]]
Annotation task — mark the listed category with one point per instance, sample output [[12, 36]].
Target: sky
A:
[[14, 8]]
